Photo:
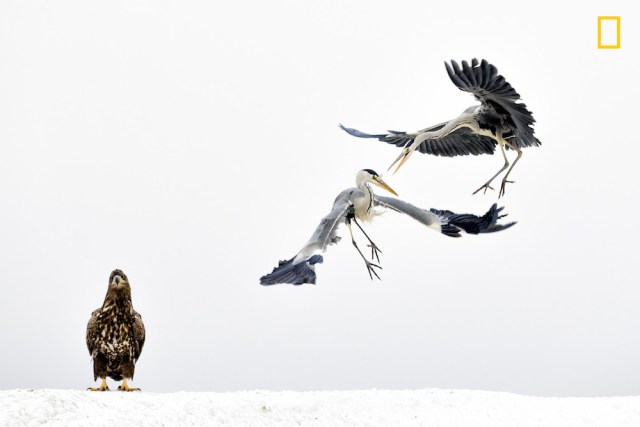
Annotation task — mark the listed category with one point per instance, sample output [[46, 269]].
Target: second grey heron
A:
[[499, 119], [360, 203]]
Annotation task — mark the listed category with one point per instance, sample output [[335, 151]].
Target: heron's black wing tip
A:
[[299, 273], [472, 224], [499, 227]]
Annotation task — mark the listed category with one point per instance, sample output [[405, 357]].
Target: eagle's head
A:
[[119, 285]]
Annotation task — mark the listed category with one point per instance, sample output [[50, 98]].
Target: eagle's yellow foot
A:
[[122, 388], [103, 386], [125, 387]]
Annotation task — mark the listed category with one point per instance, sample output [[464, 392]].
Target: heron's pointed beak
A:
[[401, 158], [380, 183]]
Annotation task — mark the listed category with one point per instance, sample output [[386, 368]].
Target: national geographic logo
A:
[[608, 32]]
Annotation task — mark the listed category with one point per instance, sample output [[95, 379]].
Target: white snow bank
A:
[[266, 408]]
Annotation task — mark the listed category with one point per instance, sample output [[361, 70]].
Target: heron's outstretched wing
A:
[[447, 222], [496, 94], [301, 268], [460, 142]]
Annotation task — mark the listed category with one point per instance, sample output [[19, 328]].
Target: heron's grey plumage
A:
[[423, 216], [447, 222], [499, 101], [349, 206], [326, 232], [301, 268], [500, 120], [463, 142]]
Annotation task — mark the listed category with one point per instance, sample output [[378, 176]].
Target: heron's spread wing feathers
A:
[[293, 272], [496, 94], [473, 224], [301, 268], [423, 216], [460, 142], [325, 233], [447, 222]]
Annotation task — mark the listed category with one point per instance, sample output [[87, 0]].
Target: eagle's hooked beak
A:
[[117, 280], [380, 183]]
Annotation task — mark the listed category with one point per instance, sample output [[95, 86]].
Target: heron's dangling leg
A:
[[125, 387], [506, 165], [103, 386], [370, 265], [375, 250], [504, 180]]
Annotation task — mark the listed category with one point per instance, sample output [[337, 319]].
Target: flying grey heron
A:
[[499, 119], [360, 203]]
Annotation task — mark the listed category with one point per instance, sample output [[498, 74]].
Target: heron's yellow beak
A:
[[380, 183], [401, 158]]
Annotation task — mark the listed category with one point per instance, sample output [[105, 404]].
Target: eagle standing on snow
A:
[[115, 335]]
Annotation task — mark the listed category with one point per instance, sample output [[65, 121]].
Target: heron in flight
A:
[[498, 120], [360, 203]]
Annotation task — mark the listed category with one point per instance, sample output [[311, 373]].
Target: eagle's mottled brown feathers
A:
[[115, 332]]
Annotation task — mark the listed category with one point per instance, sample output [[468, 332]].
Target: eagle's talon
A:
[[125, 386], [121, 388], [103, 386]]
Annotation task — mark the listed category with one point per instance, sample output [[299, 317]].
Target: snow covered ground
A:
[[429, 407]]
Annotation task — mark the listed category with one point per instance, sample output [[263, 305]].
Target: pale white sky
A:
[[194, 144]]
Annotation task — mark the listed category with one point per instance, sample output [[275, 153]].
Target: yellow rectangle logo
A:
[[608, 36]]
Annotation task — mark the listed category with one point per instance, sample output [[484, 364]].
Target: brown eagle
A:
[[115, 335]]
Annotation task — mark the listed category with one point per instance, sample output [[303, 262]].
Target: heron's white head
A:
[[369, 175]]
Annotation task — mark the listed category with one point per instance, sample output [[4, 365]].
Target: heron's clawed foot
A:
[[375, 250], [127, 388], [502, 187], [370, 269], [485, 187]]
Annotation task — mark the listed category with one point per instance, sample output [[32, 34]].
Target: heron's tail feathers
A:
[[295, 273], [472, 224]]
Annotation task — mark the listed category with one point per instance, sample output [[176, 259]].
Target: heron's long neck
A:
[[368, 195], [465, 119]]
